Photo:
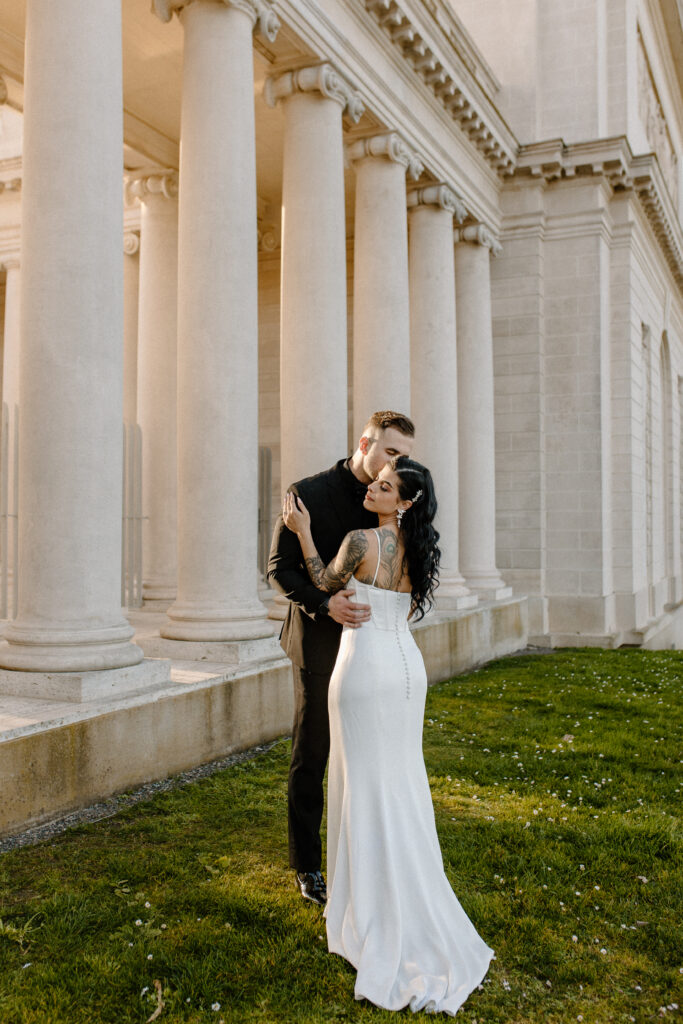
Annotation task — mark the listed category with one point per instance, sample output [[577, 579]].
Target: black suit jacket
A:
[[335, 501]]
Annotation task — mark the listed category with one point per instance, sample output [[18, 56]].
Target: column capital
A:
[[479, 234], [257, 10], [322, 78], [441, 196], [148, 182], [131, 242], [389, 145]]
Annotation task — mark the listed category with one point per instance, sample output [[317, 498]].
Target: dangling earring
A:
[[399, 516]]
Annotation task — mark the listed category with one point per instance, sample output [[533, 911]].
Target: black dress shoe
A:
[[312, 886]]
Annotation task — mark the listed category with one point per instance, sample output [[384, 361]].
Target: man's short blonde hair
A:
[[387, 418]]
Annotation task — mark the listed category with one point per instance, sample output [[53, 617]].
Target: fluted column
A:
[[131, 285], [381, 327], [313, 329], [217, 326], [71, 373], [433, 367], [476, 429], [157, 380]]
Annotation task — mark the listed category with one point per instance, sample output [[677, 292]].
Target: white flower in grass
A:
[[603, 950], [138, 923], [148, 904], [549, 984], [575, 938], [579, 1016], [24, 966], [642, 878], [149, 956], [216, 1007]]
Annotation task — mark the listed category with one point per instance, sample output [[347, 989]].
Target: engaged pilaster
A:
[[433, 367], [131, 288], [476, 429], [381, 329], [9, 499], [157, 379], [217, 326], [313, 292]]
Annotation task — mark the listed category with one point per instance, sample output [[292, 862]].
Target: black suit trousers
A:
[[310, 750]]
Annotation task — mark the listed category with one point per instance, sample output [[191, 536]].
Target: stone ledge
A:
[[58, 757], [85, 686]]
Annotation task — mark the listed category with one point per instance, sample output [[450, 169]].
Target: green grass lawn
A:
[[556, 782]]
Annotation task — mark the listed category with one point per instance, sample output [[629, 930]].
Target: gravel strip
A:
[[113, 804]]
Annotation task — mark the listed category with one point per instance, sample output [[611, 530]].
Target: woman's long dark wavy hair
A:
[[422, 553]]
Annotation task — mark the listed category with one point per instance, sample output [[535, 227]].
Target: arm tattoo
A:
[[316, 570], [337, 574]]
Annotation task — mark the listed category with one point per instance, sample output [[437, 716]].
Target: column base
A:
[[493, 593], [236, 652], [453, 595], [157, 604], [277, 610], [488, 584], [158, 595], [35, 649], [246, 621], [76, 687], [455, 602]]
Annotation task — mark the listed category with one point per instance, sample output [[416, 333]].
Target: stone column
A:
[[476, 429], [433, 368], [217, 326], [157, 380], [381, 318], [313, 329], [131, 285], [71, 374], [10, 401]]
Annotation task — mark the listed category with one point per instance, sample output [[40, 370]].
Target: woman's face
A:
[[382, 496]]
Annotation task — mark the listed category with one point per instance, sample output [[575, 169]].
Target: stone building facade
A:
[[230, 229]]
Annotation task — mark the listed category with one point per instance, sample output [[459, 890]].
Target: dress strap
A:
[[379, 552]]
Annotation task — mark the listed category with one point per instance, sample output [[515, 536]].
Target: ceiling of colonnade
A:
[[152, 77]]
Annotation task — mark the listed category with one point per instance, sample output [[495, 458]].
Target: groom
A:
[[312, 630]]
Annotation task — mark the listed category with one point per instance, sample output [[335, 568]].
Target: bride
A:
[[391, 911]]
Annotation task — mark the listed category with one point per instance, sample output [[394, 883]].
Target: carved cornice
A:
[[258, 10], [131, 242], [612, 161], [553, 159], [322, 78], [145, 183], [389, 145], [478, 234], [11, 263], [13, 185], [438, 195], [467, 105]]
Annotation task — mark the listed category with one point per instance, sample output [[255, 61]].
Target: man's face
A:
[[383, 446]]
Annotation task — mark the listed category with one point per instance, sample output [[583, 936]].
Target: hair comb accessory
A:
[[418, 495]]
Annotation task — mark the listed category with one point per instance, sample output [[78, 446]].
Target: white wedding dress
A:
[[391, 911]]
